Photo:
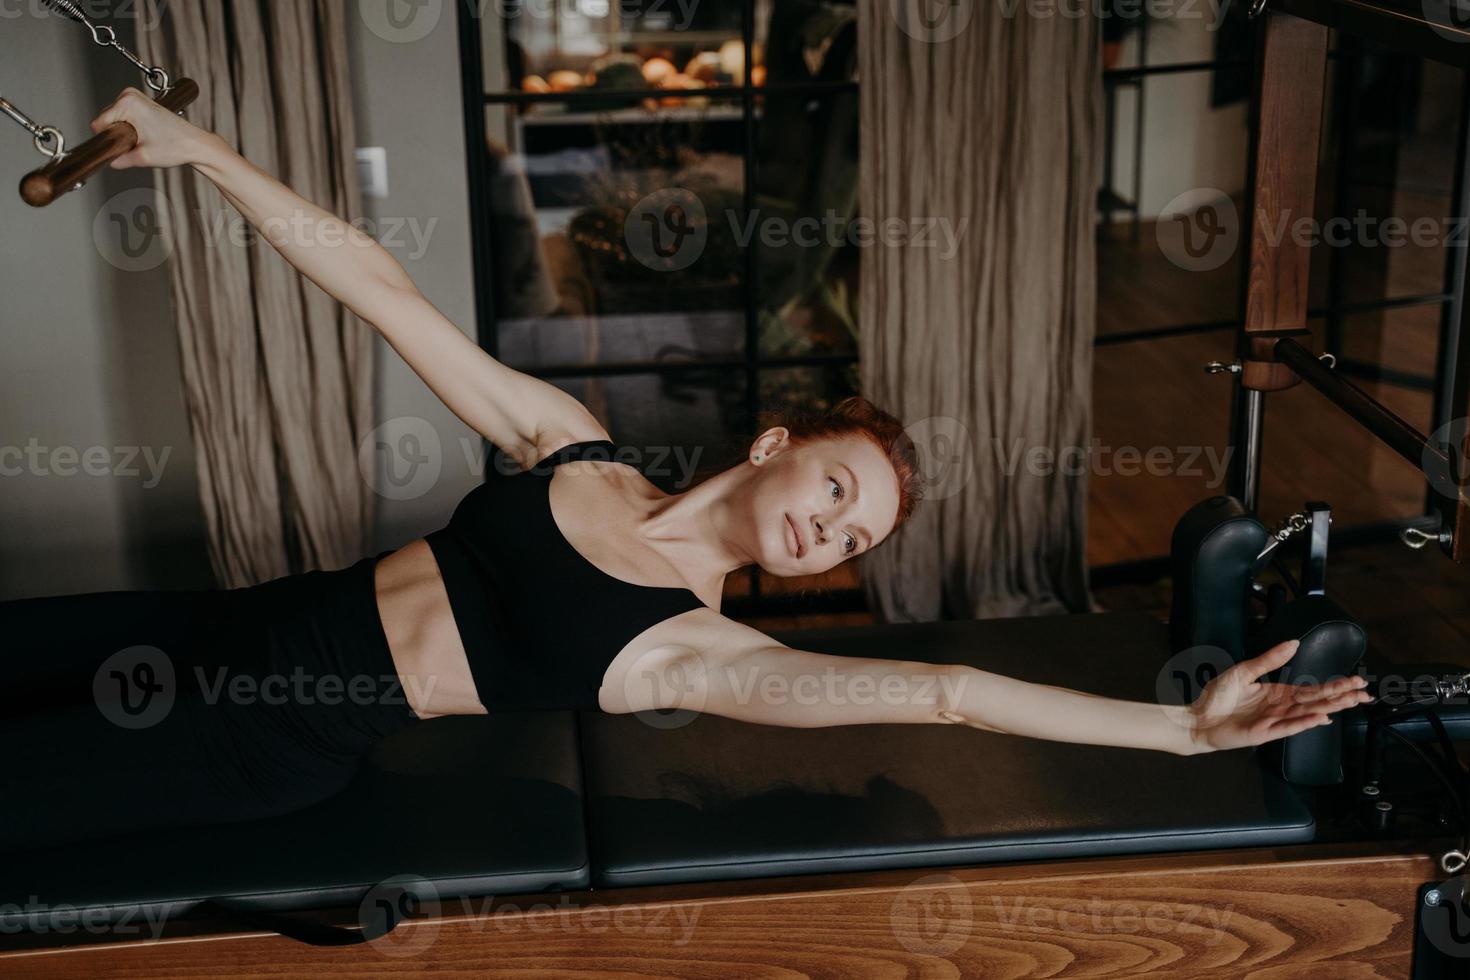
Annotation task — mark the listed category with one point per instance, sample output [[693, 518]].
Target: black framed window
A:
[[660, 208]]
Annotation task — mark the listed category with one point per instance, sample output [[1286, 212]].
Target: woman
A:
[[544, 591]]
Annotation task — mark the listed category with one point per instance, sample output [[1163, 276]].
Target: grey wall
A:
[[90, 362], [90, 351], [407, 91]]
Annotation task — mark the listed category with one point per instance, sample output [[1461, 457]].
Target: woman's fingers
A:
[[1322, 706], [1341, 702], [1257, 667], [1343, 686], [118, 111], [1293, 725]]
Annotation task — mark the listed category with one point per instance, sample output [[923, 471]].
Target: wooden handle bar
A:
[[41, 187]]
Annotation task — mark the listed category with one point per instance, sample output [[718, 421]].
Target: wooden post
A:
[[1290, 79]]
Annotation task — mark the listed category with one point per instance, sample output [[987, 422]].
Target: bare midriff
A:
[[422, 634]]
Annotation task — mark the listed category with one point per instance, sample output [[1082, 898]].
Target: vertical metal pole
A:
[[1449, 373], [472, 81], [1253, 413], [752, 301], [1110, 103], [1142, 82], [1452, 396]]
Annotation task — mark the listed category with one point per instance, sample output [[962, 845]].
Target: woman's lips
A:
[[796, 536]]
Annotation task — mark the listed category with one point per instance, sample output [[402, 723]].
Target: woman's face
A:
[[814, 506]]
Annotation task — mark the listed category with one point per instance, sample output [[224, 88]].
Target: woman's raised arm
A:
[[518, 413]]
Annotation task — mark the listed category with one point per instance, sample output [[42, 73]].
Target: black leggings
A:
[[144, 710]]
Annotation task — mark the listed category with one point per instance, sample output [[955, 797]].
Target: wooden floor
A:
[[1318, 912]]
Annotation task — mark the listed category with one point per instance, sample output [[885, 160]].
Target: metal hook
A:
[[1329, 359], [51, 134], [1414, 538], [40, 135]]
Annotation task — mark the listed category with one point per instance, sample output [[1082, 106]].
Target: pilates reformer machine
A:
[[66, 169], [661, 844]]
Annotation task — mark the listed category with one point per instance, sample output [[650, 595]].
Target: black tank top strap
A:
[[594, 449]]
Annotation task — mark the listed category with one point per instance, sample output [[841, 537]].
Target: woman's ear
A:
[[769, 443]]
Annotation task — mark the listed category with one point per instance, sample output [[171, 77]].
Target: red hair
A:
[[856, 416]]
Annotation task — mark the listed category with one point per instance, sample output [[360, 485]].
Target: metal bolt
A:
[[1432, 897], [1370, 790]]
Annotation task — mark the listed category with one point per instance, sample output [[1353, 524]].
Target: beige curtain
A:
[[983, 116], [278, 378]]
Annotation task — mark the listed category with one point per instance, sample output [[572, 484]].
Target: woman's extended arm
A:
[[515, 411], [1235, 710], [725, 668]]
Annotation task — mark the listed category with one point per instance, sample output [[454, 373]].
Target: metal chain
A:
[[106, 37], [47, 139]]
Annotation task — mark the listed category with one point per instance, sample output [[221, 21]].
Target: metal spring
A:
[[67, 8]]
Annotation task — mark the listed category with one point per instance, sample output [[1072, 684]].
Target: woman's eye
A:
[[852, 546], [837, 485]]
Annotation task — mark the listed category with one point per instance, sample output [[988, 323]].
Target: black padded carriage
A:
[[495, 805], [472, 806]]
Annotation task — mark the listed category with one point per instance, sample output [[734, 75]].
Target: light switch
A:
[[372, 171]]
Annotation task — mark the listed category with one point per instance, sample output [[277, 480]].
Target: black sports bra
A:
[[540, 623]]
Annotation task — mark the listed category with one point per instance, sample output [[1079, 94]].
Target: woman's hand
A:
[[1236, 709], [164, 138]]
